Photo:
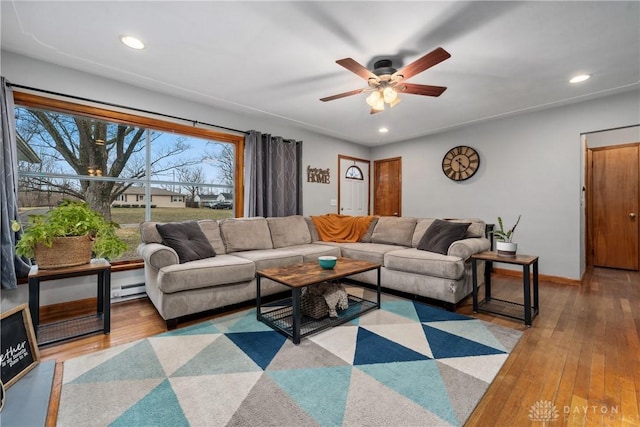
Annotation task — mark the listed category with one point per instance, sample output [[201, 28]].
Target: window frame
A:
[[29, 100]]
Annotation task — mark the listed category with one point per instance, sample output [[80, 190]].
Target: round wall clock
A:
[[460, 163]]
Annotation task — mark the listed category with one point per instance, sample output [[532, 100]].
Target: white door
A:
[[353, 190]]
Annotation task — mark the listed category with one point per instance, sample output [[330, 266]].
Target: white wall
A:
[[530, 164]]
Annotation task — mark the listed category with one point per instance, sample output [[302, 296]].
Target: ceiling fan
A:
[[385, 81]]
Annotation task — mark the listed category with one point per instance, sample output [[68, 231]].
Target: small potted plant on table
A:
[[67, 235], [504, 239]]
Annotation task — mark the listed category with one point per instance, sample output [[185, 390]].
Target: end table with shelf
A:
[[525, 311], [50, 333]]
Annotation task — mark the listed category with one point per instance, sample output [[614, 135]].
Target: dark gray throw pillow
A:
[[187, 239], [441, 234]]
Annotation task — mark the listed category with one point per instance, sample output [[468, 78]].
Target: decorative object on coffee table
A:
[[327, 261], [504, 239]]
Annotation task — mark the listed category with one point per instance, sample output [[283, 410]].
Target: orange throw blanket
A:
[[341, 228]]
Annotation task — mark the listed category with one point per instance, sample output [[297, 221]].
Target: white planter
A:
[[506, 248]]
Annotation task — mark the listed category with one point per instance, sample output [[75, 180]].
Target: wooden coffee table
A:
[[286, 315]]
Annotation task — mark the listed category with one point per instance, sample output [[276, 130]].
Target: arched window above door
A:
[[354, 172]]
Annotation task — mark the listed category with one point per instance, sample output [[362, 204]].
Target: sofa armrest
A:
[[466, 247], [158, 255]]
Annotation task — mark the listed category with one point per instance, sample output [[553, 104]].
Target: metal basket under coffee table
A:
[[286, 316]]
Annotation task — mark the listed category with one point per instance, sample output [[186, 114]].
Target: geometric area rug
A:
[[407, 364]]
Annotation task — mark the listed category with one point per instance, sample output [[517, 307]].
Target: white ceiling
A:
[[278, 58]]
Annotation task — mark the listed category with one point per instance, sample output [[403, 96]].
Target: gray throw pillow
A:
[[187, 239], [441, 234]]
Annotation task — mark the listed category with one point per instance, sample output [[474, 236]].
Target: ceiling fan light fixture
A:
[[374, 98], [389, 94], [394, 102]]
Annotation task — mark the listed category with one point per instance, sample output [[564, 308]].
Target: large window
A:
[[129, 168]]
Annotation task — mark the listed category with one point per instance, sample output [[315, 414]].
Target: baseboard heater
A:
[[128, 292]]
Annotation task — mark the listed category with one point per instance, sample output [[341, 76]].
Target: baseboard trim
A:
[[545, 277]]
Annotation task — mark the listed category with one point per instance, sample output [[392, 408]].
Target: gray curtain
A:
[[11, 265], [273, 176]]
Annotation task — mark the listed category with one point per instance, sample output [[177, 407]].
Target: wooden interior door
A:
[[614, 214], [387, 187]]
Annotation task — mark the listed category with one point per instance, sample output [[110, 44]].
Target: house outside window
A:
[[155, 184]]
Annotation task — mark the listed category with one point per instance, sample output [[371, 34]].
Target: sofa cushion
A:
[[394, 230], [246, 234], [219, 271], [372, 225], [372, 252], [313, 231], [211, 229], [441, 234], [149, 232], [421, 227], [289, 231], [269, 258], [187, 239], [415, 261], [476, 229]]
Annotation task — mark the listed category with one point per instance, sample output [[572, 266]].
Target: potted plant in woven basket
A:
[[67, 235], [504, 239]]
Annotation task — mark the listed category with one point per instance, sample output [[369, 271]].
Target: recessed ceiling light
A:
[[383, 130], [132, 42], [579, 78]]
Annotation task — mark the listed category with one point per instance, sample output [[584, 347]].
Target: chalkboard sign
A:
[[18, 344]]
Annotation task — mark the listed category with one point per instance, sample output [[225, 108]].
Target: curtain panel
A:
[[273, 176], [12, 266]]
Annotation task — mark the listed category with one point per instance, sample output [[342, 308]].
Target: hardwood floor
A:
[[582, 354]]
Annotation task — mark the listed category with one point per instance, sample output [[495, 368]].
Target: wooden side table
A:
[[78, 326], [503, 307]]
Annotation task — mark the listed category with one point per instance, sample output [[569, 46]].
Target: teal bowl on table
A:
[[327, 262]]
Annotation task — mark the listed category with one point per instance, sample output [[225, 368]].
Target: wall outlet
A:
[[334, 202]]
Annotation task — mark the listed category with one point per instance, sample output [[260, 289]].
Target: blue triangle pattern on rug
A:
[[427, 313], [227, 379], [158, 408], [321, 392], [372, 348], [430, 392], [261, 347], [445, 345]]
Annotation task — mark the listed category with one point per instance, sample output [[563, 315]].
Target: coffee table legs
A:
[[296, 315]]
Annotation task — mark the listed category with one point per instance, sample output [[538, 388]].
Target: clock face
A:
[[460, 163]]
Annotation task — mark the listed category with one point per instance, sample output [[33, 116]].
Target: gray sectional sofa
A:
[[244, 245]]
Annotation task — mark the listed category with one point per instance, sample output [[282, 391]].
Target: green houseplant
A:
[[504, 239], [76, 226]]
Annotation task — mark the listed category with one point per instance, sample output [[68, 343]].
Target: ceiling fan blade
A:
[[356, 68], [432, 58], [341, 95], [421, 89]]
